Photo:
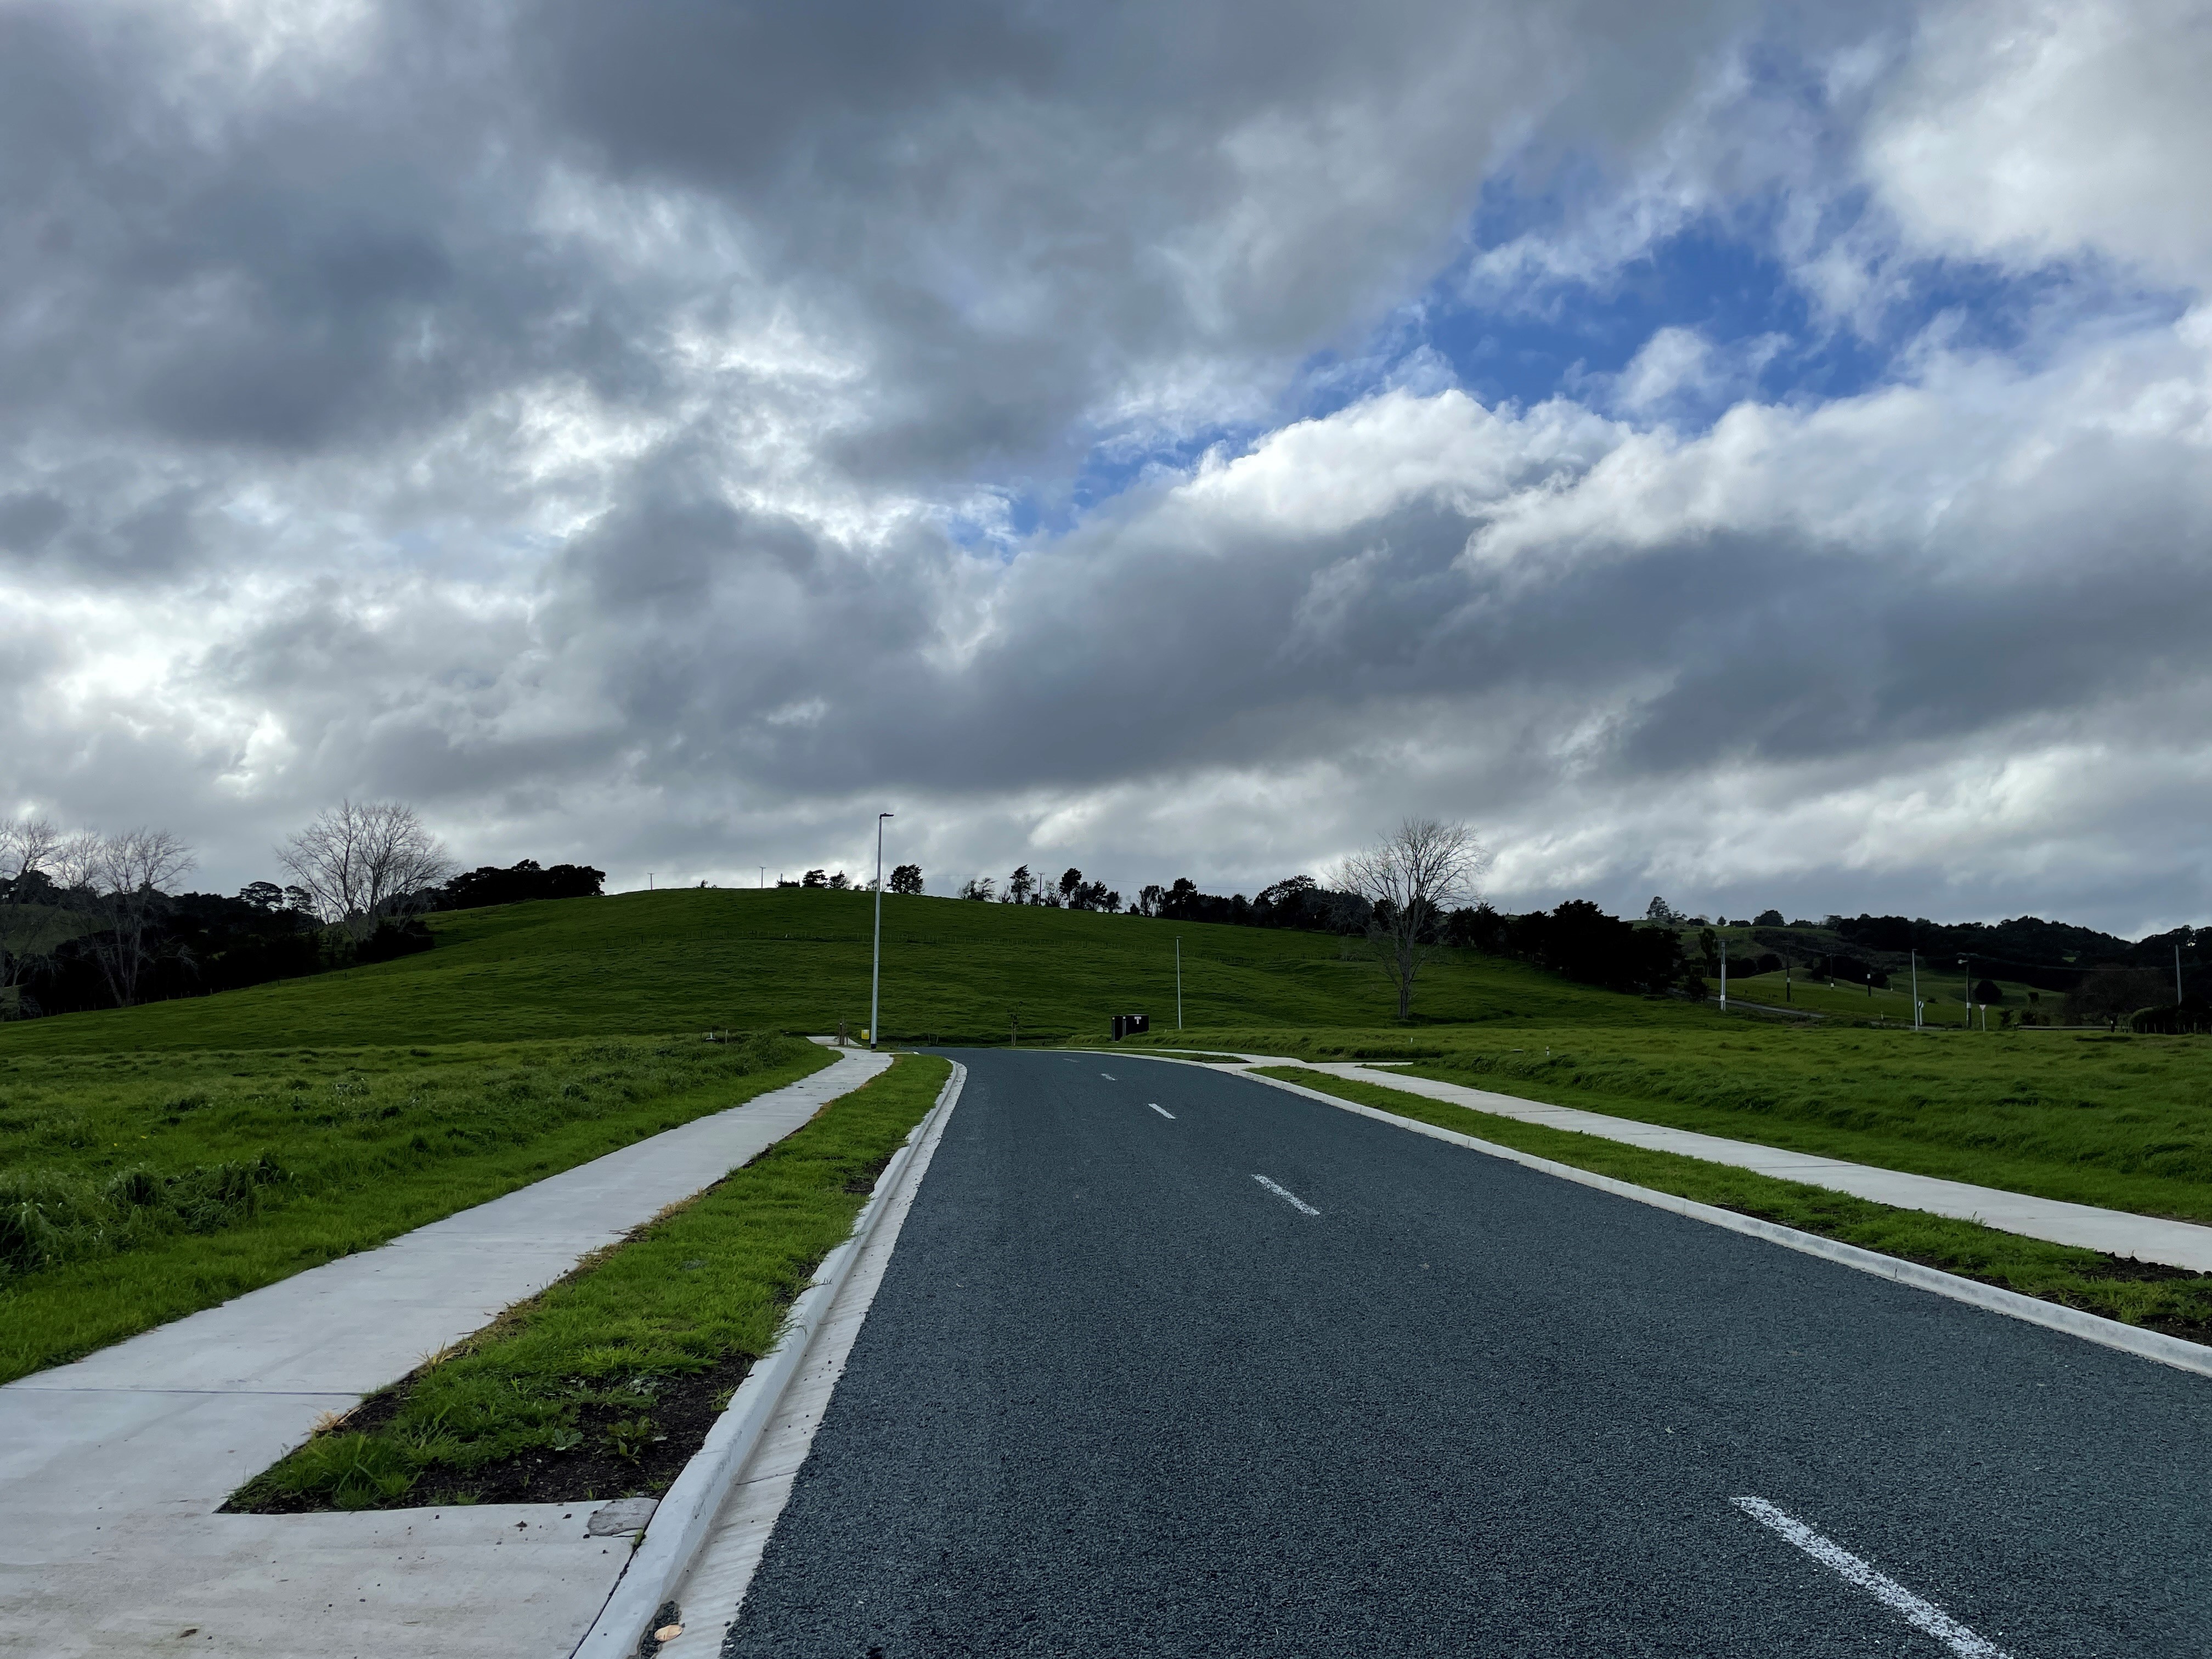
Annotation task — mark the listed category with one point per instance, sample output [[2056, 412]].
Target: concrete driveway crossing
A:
[[1117, 1395]]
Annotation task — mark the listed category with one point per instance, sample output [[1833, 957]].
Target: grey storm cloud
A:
[[655, 433]]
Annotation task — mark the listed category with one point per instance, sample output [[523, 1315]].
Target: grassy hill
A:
[[798, 960], [157, 1159]]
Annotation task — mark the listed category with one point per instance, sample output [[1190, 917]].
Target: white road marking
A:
[[1110, 1077], [1161, 1110], [1922, 1615], [1287, 1196]]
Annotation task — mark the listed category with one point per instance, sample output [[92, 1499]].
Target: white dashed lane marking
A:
[[1924, 1616], [1286, 1195], [1161, 1110]]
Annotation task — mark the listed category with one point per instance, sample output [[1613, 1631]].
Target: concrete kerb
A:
[[680, 1525], [2108, 1332]]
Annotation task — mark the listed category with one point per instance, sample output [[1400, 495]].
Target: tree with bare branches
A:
[[361, 863], [1411, 877], [124, 879], [27, 846]]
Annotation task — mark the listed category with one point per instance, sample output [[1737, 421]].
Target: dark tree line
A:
[[1579, 941], [184, 945], [522, 881]]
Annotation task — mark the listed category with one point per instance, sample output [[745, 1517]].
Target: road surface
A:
[[1169, 1361]]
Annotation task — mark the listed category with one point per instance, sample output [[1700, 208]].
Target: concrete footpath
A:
[[111, 1469], [2116, 1233]]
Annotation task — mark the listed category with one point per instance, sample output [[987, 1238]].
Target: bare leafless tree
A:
[[27, 846], [361, 863], [1411, 877], [124, 878]]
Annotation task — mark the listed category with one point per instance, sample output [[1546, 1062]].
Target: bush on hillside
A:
[[1580, 941], [525, 880]]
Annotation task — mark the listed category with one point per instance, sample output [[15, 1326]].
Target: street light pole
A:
[[876, 968]]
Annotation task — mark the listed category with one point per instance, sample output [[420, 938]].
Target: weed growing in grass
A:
[[2135, 1294], [609, 1380]]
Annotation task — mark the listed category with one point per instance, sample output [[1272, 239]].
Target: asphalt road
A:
[[1116, 1396]]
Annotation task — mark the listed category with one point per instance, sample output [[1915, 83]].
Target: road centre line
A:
[[1285, 1193], [1110, 1077], [1922, 1615], [1161, 1110]]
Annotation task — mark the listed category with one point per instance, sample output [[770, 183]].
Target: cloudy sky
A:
[[1753, 454]]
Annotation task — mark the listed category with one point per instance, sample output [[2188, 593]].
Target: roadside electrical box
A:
[[1131, 1025]]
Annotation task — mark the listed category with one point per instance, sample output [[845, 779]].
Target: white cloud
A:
[[2029, 130], [557, 419]]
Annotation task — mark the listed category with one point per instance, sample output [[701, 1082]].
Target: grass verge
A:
[[2123, 1123], [135, 1189], [2167, 1299], [605, 1384]]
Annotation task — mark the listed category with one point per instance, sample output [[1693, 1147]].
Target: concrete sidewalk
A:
[[111, 1469], [2116, 1233]]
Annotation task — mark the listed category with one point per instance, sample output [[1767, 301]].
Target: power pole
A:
[[1178, 982], [1723, 970], [1914, 956]]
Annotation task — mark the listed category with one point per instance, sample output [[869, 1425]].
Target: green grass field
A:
[[2123, 1122], [587, 1390], [136, 1189], [796, 960], [251, 1185], [1856, 1004]]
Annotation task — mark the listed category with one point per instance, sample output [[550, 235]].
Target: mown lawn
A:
[[2176, 1303], [793, 960], [137, 1188], [592, 1388], [2122, 1122]]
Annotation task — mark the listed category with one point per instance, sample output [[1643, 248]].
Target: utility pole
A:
[[1723, 970], [2177, 973], [763, 870], [876, 969], [1178, 982], [1916, 989]]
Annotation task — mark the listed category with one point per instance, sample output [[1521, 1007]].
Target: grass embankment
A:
[[135, 1189], [2124, 1123], [793, 960], [1858, 1004], [605, 1383], [2164, 1299]]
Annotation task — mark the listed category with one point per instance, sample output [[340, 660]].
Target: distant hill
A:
[[798, 960]]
